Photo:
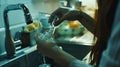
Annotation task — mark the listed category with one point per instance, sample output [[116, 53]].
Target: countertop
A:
[[85, 39]]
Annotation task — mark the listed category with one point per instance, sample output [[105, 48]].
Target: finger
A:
[[53, 15], [51, 19], [58, 22]]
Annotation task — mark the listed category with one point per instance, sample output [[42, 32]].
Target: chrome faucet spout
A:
[[27, 14], [9, 42]]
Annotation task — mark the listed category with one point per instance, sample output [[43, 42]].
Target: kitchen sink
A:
[[29, 56], [79, 50]]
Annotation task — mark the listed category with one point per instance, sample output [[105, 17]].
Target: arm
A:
[[65, 13], [60, 56], [87, 21], [84, 18], [54, 52]]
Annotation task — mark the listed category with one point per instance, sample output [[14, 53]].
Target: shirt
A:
[[111, 56]]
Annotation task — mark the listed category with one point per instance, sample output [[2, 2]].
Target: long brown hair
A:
[[105, 17]]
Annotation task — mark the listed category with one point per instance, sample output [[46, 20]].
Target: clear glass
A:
[[45, 34]]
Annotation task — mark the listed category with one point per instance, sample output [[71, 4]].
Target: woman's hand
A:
[[65, 14], [52, 51], [46, 48], [71, 16], [58, 13]]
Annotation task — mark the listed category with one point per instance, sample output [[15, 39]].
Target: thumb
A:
[[58, 22]]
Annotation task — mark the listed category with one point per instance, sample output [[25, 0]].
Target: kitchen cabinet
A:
[[20, 62], [34, 59]]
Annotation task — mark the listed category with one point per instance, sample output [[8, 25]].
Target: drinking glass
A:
[[45, 34]]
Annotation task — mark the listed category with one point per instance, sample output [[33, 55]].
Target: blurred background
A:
[[71, 33]]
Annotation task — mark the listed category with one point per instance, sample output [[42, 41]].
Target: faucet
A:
[[9, 42]]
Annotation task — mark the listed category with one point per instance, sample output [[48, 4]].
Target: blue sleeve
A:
[[111, 56]]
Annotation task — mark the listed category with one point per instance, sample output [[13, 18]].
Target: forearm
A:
[[54, 52], [67, 60], [64, 58], [87, 21]]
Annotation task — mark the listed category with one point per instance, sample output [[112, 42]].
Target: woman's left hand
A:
[[47, 48]]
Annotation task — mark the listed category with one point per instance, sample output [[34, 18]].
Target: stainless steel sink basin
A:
[[76, 49]]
